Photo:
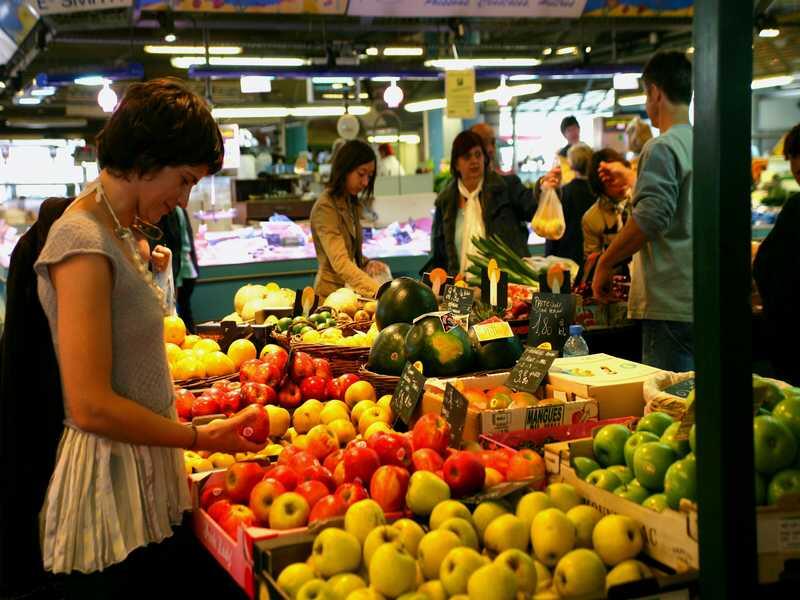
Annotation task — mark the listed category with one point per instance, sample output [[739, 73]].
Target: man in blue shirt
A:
[[659, 234]]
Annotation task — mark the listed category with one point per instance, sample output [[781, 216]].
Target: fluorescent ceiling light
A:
[[255, 112], [626, 81], [194, 50], [426, 105], [495, 94], [769, 32], [690, 50], [373, 51], [567, 50], [382, 79], [547, 51], [588, 49], [184, 62], [405, 138], [170, 38], [449, 64], [91, 80], [2, 85], [403, 51], [327, 80], [523, 77], [255, 84], [43, 91], [29, 101], [637, 100], [411, 138], [770, 82], [340, 96], [358, 111]]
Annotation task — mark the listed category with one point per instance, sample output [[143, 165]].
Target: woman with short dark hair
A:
[[604, 220]]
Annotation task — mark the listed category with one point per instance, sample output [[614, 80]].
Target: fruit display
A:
[[251, 298], [192, 357], [441, 352], [404, 300], [548, 544], [388, 352]]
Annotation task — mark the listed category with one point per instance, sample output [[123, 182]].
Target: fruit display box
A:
[[478, 422], [616, 384]]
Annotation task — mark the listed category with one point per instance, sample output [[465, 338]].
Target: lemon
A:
[[218, 363], [207, 345], [173, 352], [174, 330], [240, 351]]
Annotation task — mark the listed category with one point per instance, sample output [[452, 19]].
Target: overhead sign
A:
[[327, 7], [56, 7], [17, 18], [459, 90], [639, 8], [467, 8]]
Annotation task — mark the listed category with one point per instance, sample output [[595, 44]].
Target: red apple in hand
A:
[[393, 448], [464, 473], [431, 431], [427, 459], [313, 491], [262, 496], [183, 403], [389, 486], [276, 354], [326, 508], [350, 493], [239, 515], [322, 368], [360, 463], [247, 370], [318, 473], [204, 406], [256, 428], [219, 509], [285, 475], [302, 366], [313, 387], [240, 479]]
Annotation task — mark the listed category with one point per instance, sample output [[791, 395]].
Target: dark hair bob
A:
[[159, 123], [348, 158], [464, 142], [608, 155], [791, 145]]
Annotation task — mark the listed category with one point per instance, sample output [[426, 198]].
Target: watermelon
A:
[[403, 301], [441, 353], [388, 353], [496, 354]]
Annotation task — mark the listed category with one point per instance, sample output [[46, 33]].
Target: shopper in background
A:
[[179, 238], [119, 486], [571, 131], [638, 133], [778, 278], [336, 223], [389, 166], [476, 203], [607, 216], [659, 234]]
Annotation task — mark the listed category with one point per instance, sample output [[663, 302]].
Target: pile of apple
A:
[[502, 397], [549, 545]]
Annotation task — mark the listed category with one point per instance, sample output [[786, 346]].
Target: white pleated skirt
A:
[[107, 498]]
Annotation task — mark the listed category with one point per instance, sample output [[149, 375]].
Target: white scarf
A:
[[473, 222]]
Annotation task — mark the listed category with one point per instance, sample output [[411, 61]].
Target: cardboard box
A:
[[511, 419], [616, 384]]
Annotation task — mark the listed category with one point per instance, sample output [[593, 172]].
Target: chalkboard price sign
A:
[[407, 393], [458, 300], [454, 411], [531, 369], [551, 316]]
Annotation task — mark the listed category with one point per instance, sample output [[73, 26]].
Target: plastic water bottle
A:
[[575, 345]]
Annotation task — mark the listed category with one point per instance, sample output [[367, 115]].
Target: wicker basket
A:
[[383, 384], [205, 382], [343, 359]]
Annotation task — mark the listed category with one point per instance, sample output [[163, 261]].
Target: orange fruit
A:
[[218, 363], [173, 352], [240, 351], [206, 345], [174, 330], [189, 341], [360, 390]]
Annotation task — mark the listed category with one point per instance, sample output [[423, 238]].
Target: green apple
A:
[[636, 440], [766, 393], [584, 465], [366, 593], [656, 502], [432, 550], [563, 496], [584, 517], [342, 584], [692, 439], [783, 482], [609, 445], [485, 513], [362, 517], [604, 479], [580, 574], [425, 491], [292, 578], [788, 412], [385, 534], [650, 463], [492, 582], [316, 589], [410, 534], [544, 579], [336, 551], [506, 532], [761, 490], [447, 509], [681, 481], [523, 567], [633, 492], [553, 535], [531, 504], [624, 472], [680, 447], [775, 446], [434, 590], [464, 530], [627, 571], [617, 538], [655, 423], [392, 571], [457, 567]]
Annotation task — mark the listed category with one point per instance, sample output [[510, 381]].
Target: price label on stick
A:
[[531, 369], [501, 298], [454, 411], [407, 393], [550, 318], [458, 300]]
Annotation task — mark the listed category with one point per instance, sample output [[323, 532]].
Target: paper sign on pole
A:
[[55, 7], [467, 8], [459, 91]]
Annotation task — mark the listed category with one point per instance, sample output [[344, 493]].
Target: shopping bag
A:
[[548, 222]]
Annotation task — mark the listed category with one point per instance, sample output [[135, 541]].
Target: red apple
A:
[[360, 462], [322, 368], [322, 441], [231, 402], [256, 429], [495, 459], [289, 395], [247, 370], [318, 473], [393, 448], [238, 515], [273, 352], [431, 431], [326, 508], [213, 489], [313, 387], [300, 460], [262, 496], [524, 464], [302, 366], [240, 479], [286, 455], [285, 475], [350, 493], [427, 459], [332, 390], [345, 381], [464, 473], [269, 373], [256, 393], [183, 403], [313, 491], [219, 509], [339, 474], [388, 487], [215, 393], [204, 406], [333, 459]]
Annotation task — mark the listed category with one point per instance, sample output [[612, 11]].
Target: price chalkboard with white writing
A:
[[550, 318], [407, 393], [531, 369], [454, 411], [458, 300]]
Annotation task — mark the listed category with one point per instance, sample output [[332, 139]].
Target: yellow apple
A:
[[292, 578], [279, 419], [580, 574], [553, 535], [392, 570], [332, 412], [362, 517], [584, 517], [345, 431], [432, 550], [494, 581], [531, 505], [448, 509], [336, 551], [375, 428], [617, 538], [358, 410], [506, 532]]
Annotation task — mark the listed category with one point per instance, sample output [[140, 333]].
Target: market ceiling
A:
[[67, 45]]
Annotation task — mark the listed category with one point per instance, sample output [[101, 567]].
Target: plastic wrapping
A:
[[657, 400], [548, 222]]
